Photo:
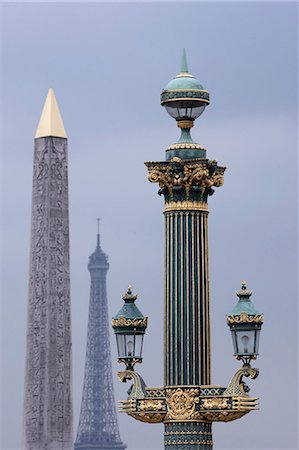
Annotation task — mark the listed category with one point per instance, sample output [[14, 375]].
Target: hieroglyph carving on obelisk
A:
[[48, 412]]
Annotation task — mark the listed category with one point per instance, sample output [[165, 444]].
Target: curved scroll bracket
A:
[[138, 388], [237, 386]]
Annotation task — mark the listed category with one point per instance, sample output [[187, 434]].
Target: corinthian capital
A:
[[191, 179]]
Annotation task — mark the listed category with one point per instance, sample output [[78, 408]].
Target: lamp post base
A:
[[188, 435]]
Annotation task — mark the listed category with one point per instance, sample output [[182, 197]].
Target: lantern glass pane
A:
[[184, 110], [196, 112], [257, 341], [130, 345], [234, 338], [121, 345], [138, 345], [245, 342]]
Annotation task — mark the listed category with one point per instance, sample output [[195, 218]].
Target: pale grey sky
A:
[[107, 63]]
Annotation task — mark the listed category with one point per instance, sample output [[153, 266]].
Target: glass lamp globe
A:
[[185, 110]]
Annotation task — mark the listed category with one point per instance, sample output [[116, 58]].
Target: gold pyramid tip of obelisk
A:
[[50, 122]]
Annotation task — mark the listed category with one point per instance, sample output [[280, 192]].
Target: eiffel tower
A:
[[98, 427]]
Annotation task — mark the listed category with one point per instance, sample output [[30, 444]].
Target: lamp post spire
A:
[[184, 65]]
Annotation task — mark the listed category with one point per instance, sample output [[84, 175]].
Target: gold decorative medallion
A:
[[181, 403]]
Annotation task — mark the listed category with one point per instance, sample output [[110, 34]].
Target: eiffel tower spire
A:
[[98, 427]]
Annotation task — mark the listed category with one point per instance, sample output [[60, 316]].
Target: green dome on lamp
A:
[[244, 304], [184, 80], [185, 100]]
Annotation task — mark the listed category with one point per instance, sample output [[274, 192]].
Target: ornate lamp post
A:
[[188, 403], [129, 327], [245, 323]]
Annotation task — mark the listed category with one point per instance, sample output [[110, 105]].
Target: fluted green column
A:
[[186, 180], [187, 317], [187, 327], [186, 185]]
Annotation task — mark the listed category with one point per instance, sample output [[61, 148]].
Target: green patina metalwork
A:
[[129, 310], [185, 99], [185, 136], [177, 94], [196, 435], [186, 85], [244, 304]]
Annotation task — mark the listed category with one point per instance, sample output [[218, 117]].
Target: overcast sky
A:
[[107, 64]]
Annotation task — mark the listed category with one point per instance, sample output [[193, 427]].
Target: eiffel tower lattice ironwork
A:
[[98, 426]]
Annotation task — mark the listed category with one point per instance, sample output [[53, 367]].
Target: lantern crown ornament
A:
[[245, 322], [185, 99], [129, 326]]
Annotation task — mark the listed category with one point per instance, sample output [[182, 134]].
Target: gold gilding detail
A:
[[184, 74], [185, 123], [152, 405], [215, 403], [149, 417], [188, 442], [185, 205], [186, 174], [223, 416], [236, 384], [195, 99], [244, 318], [123, 322], [185, 145], [181, 403]]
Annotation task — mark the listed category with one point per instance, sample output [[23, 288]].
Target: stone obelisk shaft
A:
[[48, 412]]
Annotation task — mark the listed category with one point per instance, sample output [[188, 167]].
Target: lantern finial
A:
[[129, 297], [244, 293]]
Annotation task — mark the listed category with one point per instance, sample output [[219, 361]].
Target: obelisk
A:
[[48, 412]]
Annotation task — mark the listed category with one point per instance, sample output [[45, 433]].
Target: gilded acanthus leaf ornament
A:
[[186, 179]]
